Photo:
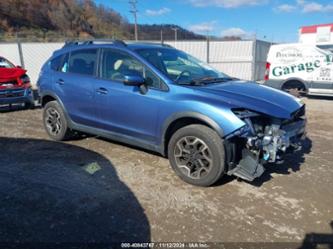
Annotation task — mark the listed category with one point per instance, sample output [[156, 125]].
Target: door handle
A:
[[102, 90], [60, 81]]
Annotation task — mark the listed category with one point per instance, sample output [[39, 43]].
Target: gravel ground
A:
[[96, 190]]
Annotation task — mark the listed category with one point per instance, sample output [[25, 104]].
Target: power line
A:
[[134, 11]]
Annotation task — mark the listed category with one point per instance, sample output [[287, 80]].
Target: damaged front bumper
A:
[[263, 140]]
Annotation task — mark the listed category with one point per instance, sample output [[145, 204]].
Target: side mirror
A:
[[18, 66], [133, 80]]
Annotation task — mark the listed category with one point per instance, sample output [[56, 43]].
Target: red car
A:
[[14, 84]]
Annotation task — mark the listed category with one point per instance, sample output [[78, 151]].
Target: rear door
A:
[[73, 83]]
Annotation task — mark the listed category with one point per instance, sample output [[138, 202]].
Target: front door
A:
[[123, 109]]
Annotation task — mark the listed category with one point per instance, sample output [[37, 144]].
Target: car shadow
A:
[[291, 162], [16, 108], [224, 180], [319, 97], [12, 108], [54, 192], [318, 240], [127, 145]]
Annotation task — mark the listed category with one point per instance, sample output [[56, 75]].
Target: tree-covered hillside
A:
[[58, 19]]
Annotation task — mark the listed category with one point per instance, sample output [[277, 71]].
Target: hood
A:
[[255, 97], [7, 74]]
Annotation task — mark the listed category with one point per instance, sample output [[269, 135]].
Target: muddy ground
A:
[[52, 192]]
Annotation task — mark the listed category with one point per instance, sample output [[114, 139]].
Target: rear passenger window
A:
[[83, 61]]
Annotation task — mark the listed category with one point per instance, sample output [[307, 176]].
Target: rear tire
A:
[[55, 122], [295, 88], [196, 154]]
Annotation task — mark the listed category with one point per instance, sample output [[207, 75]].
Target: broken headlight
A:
[[244, 113], [246, 116]]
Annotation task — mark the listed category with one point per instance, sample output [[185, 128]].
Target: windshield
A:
[[181, 67], [5, 63], [329, 48]]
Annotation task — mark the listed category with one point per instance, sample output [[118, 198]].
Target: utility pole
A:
[[175, 29], [134, 11]]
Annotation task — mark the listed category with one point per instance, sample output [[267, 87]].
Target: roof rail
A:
[[95, 41], [150, 43], [114, 41]]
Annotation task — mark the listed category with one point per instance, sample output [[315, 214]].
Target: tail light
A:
[[268, 66]]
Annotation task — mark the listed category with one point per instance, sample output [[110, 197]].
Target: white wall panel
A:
[[225, 51], [238, 70], [35, 55], [195, 48]]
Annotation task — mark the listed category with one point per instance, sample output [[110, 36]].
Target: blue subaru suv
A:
[[161, 99]]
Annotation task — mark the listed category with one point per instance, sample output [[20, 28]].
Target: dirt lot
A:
[[50, 192]]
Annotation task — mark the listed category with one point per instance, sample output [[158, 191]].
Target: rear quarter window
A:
[[56, 63], [59, 63]]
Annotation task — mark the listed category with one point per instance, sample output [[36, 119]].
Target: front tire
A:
[[55, 122], [196, 154]]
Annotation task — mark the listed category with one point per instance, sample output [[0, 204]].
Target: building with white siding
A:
[[321, 34]]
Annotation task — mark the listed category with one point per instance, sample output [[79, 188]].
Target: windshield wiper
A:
[[207, 80], [211, 80], [191, 83]]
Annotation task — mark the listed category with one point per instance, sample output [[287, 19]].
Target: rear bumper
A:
[[18, 95]]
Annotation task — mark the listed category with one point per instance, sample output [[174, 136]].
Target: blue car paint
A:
[[125, 111], [136, 117], [78, 99], [254, 97]]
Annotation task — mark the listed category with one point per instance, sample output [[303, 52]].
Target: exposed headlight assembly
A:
[[25, 79], [246, 116], [243, 113]]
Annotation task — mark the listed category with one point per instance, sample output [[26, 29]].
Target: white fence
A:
[[241, 59]]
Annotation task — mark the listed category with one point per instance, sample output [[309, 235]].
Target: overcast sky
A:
[[273, 20]]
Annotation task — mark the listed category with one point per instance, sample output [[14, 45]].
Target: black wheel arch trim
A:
[[196, 115], [49, 93], [103, 133]]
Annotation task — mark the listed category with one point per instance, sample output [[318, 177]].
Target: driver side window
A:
[[116, 65]]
